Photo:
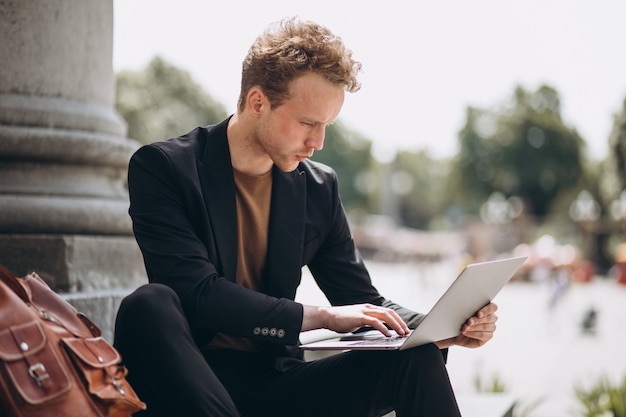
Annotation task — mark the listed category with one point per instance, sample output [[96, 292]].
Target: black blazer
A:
[[182, 203]]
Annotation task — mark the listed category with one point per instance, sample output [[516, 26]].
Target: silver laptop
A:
[[476, 285]]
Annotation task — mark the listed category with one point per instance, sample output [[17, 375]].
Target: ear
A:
[[256, 101]]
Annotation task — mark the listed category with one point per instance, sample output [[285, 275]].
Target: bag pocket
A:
[[32, 366], [98, 363]]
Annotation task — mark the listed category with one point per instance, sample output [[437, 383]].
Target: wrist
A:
[[444, 344], [314, 317]]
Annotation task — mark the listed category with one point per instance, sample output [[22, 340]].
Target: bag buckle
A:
[[118, 385], [38, 373]]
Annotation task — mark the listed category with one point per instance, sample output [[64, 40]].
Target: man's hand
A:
[[476, 331], [345, 319]]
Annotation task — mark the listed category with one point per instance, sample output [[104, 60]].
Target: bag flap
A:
[[94, 351], [95, 330], [21, 340], [14, 283], [54, 308]]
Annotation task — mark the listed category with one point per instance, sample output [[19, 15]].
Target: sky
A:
[[423, 62]]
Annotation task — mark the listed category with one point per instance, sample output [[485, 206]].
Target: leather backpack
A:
[[53, 360]]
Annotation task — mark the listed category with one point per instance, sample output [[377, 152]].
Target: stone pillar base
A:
[[93, 273], [75, 263]]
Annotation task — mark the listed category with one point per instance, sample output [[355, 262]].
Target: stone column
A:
[[64, 154]]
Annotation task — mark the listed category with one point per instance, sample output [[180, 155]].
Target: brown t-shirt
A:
[[253, 210]]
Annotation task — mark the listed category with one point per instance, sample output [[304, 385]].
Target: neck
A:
[[246, 155]]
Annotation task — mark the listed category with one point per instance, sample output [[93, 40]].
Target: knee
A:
[[430, 350], [150, 304], [150, 297], [427, 356]]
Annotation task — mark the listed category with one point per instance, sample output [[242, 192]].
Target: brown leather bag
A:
[[53, 361]]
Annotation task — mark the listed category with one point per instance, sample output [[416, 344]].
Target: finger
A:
[[485, 327], [482, 332], [380, 317], [490, 308], [473, 321], [389, 316], [376, 324], [396, 322], [468, 342], [479, 336], [491, 318]]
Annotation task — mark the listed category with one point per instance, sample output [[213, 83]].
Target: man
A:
[[226, 217]]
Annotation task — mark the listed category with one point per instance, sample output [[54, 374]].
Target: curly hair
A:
[[290, 48]]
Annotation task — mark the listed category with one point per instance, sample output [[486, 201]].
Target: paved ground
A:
[[539, 353]]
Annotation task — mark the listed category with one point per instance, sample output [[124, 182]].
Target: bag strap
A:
[[14, 284]]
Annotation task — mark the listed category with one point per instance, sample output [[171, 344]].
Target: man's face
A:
[[291, 132]]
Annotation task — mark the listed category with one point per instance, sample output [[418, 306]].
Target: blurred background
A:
[[483, 129], [480, 128]]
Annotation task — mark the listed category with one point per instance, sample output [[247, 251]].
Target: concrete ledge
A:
[[75, 263]]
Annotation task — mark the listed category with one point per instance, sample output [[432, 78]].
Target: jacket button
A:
[[257, 331], [265, 331], [273, 332], [281, 333]]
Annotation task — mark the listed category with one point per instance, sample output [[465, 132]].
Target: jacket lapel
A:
[[286, 233], [218, 188]]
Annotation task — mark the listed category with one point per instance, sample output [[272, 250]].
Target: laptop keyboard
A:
[[379, 341]]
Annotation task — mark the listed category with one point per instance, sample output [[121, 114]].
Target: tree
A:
[[522, 149], [163, 101], [419, 183], [350, 155], [617, 142]]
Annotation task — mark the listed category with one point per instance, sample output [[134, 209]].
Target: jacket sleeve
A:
[[173, 231], [337, 265]]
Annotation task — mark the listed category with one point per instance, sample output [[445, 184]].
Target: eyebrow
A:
[[314, 121]]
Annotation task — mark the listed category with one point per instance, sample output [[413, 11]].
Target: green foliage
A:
[[350, 155], [419, 182], [163, 101], [495, 385], [526, 409], [522, 149], [603, 399], [617, 143]]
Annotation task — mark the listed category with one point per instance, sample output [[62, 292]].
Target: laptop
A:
[[475, 286]]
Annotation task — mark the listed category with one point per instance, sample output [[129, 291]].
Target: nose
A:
[[316, 138]]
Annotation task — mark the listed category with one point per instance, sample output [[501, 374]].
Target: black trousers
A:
[[175, 378]]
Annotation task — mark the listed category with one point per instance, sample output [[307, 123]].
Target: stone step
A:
[[93, 273], [99, 306], [75, 263]]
